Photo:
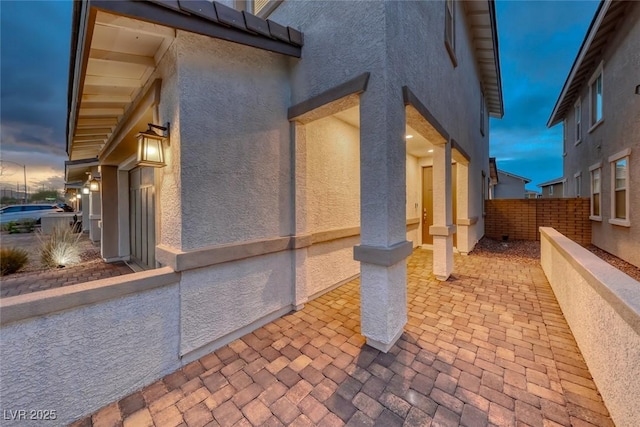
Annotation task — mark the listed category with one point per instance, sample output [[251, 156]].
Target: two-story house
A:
[[599, 107], [293, 146]]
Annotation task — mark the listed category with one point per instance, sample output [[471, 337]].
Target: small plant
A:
[[60, 248], [12, 260], [22, 226]]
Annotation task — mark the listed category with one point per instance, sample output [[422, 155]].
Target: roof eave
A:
[[554, 119], [499, 107]]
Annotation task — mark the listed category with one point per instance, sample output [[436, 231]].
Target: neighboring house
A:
[[599, 107], [297, 152], [531, 194], [553, 189], [506, 185]]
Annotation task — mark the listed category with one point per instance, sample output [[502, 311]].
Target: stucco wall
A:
[[414, 199], [234, 142], [333, 175], [602, 306], [330, 263], [78, 360], [218, 300], [619, 130]]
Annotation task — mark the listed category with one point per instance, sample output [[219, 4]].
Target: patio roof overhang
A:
[[603, 26], [481, 16], [117, 45]]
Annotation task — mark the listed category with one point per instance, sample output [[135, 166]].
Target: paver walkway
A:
[[26, 283], [488, 347]]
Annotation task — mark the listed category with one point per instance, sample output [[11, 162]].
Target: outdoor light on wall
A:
[[150, 147], [85, 190], [94, 185]]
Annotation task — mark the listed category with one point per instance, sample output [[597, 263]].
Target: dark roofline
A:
[[494, 29], [73, 48]]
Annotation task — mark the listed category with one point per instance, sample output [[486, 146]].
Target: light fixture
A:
[[430, 151], [638, 90], [85, 190], [408, 137], [150, 149], [94, 185]]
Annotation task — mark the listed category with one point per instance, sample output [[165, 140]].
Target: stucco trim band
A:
[[181, 261], [334, 234], [354, 86], [411, 99], [385, 256], [413, 223], [616, 288], [442, 230], [21, 307], [468, 221]]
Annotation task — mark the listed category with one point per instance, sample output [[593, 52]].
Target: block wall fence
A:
[[520, 219]]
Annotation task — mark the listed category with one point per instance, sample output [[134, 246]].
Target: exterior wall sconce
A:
[[150, 147], [638, 90], [86, 190], [94, 185]]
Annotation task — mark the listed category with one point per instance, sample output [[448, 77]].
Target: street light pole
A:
[[24, 169]]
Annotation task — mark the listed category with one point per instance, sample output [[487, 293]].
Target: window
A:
[[551, 190], [578, 181], [596, 173], [619, 188], [595, 98], [260, 8], [578, 120], [564, 137], [450, 30], [484, 192]]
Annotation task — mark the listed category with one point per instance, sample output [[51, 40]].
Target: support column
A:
[[463, 222], [443, 228], [383, 248], [95, 212], [109, 193], [302, 239]]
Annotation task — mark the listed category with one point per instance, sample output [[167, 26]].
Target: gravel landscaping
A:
[[528, 252]]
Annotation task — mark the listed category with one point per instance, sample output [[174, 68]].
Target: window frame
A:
[[450, 24], [565, 131], [594, 121], [249, 6], [578, 183], [613, 160], [577, 117], [592, 169], [551, 189]]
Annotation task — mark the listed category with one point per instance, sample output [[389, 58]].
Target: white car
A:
[[20, 212]]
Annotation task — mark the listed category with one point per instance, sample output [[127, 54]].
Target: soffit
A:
[[602, 29], [481, 19], [123, 53]]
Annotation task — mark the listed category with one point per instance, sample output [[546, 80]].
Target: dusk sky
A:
[[538, 42]]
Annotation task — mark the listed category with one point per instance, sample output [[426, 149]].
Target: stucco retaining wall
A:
[[79, 359], [602, 307]]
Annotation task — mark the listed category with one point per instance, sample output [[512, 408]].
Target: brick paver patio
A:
[[488, 347], [26, 283]]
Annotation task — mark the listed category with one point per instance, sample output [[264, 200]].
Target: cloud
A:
[[539, 41], [35, 37]]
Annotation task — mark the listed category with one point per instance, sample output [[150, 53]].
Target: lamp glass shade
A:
[[85, 190], [94, 185], [150, 151]]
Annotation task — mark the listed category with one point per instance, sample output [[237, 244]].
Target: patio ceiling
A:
[[122, 55]]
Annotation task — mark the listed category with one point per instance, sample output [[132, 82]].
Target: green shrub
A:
[[12, 260], [22, 226], [61, 248]]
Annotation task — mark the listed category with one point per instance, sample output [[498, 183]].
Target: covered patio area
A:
[[487, 347]]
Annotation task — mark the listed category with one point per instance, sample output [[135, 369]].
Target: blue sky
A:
[[538, 43]]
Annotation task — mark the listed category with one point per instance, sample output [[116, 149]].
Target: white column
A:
[[442, 229], [95, 212], [383, 249]]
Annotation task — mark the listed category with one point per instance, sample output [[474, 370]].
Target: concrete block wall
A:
[[520, 218]]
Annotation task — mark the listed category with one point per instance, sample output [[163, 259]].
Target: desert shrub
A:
[[22, 226], [61, 248], [12, 260]]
